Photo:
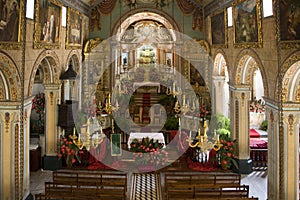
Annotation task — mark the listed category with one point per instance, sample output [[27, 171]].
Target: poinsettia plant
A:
[[148, 151], [68, 150], [227, 153], [257, 106]]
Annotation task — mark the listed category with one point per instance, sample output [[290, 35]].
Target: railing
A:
[[259, 158]]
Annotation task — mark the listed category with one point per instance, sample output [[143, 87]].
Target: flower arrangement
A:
[[149, 152], [69, 151], [257, 106], [38, 105], [227, 154]]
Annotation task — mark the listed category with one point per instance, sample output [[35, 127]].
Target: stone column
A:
[[218, 94], [10, 187], [26, 177], [289, 152], [239, 125], [52, 95], [272, 114]]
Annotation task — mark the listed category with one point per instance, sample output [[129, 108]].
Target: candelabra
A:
[[173, 91], [86, 138], [184, 108], [109, 108], [202, 141]]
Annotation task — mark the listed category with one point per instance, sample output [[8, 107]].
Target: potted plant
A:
[[68, 151]]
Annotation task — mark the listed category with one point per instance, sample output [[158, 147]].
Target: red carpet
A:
[[254, 133], [256, 143]]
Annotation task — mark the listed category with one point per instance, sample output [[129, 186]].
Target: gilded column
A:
[[272, 114], [290, 151], [9, 152], [239, 121], [51, 110]]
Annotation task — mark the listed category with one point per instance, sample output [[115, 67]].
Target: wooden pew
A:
[[81, 184], [94, 178], [192, 185]]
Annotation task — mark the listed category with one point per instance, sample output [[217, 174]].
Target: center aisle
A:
[[146, 187]]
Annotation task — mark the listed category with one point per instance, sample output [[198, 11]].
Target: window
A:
[[30, 9], [64, 17], [267, 8], [229, 16]]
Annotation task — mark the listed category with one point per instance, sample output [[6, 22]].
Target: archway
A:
[[249, 113], [220, 86], [290, 117]]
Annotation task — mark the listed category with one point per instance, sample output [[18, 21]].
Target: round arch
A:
[[151, 14], [74, 58], [291, 79], [220, 63], [10, 81], [50, 68], [247, 62]]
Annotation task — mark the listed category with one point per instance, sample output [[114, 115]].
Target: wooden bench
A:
[[202, 185], [86, 185], [93, 178], [208, 192]]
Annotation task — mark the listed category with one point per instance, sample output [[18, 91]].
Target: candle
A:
[[218, 137], [184, 99], [190, 134], [73, 131], [179, 121], [79, 137], [215, 133], [173, 86]]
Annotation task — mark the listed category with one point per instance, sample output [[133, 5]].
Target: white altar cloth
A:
[[140, 136]]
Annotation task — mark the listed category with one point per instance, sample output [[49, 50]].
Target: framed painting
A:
[[219, 29], [11, 24], [74, 29], [247, 23], [289, 23], [115, 144], [47, 24]]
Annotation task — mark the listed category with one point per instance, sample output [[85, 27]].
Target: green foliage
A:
[[171, 123], [220, 123], [264, 125]]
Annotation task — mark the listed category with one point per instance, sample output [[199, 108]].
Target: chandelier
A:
[[202, 142]]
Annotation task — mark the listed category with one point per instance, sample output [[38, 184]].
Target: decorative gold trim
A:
[[259, 43], [69, 12], [38, 44], [16, 45], [225, 45], [90, 45], [17, 172]]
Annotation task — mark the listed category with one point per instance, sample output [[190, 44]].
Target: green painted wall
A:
[[108, 21]]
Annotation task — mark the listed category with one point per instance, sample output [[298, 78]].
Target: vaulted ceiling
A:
[[209, 6]]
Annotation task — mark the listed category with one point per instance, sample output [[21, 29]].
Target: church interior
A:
[[149, 99]]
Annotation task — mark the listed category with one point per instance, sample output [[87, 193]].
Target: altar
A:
[[140, 136], [140, 84]]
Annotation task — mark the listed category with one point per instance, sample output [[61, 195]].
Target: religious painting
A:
[[74, 29], [115, 144], [219, 29], [47, 24], [289, 22], [11, 23], [247, 23]]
